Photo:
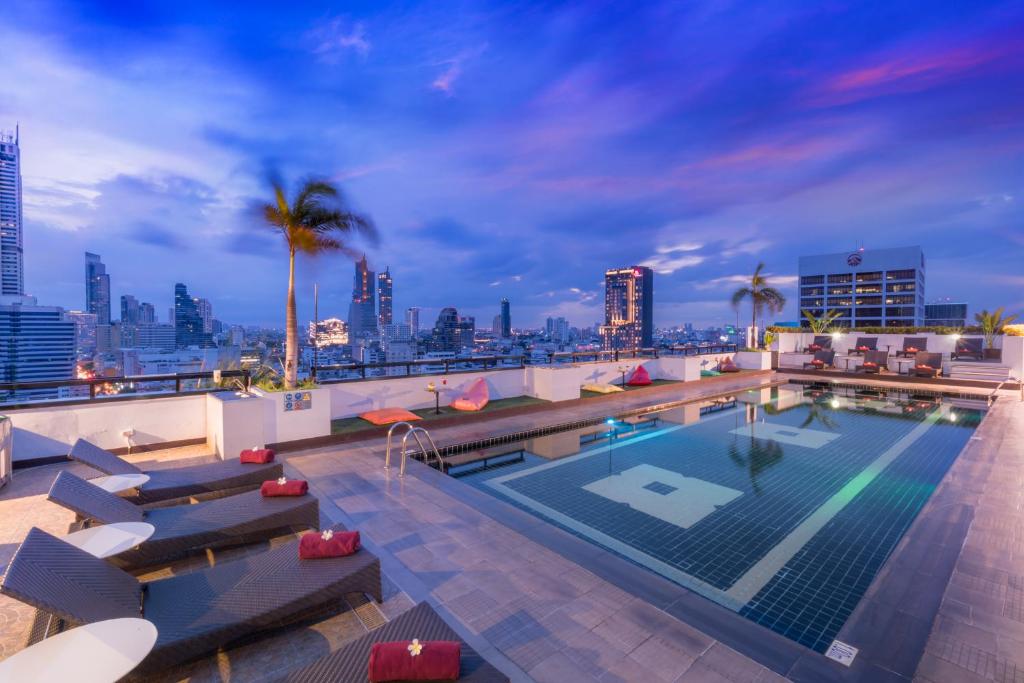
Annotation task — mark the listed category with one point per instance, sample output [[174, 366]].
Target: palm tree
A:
[[820, 324], [992, 323], [313, 223], [762, 297]]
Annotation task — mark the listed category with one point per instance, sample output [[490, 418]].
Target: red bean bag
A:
[[639, 378], [475, 398]]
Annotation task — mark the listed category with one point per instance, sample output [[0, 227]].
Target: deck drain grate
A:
[[366, 610]]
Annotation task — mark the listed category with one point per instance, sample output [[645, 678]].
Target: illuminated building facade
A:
[[384, 283], [628, 308]]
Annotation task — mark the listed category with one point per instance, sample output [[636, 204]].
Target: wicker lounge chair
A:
[[874, 362], [183, 529], [927, 365], [820, 343], [969, 347], [349, 663], [194, 613], [912, 346], [863, 345], [822, 360], [215, 479]]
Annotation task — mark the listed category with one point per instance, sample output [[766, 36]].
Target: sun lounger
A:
[[822, 360], [183, 529], [969, 347], [214, 479], [820, 343], [194, 613], [927, 365], [349, 663], [863, 345], [874, 362], [912, 346]]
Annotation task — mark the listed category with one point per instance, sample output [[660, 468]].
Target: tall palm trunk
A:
[[291, 350]]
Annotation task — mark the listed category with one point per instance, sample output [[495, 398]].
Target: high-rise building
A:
[[945, 314], [557, 329], [446, 335], [147, 313], [384, 301], [628, 308], [506, 320], [328, 332], [205, 309], [97, 288], [12, 276], [395, 332], [412, 319], [188, 323], [85, 334], [129, 310], [362, 316], [869, 288], [467, 331], [37, 344], [158, 336]]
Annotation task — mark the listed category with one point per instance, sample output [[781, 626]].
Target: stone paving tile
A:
[[662, 659], [558, 668]]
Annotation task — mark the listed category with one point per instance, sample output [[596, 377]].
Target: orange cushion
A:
[[386, 416]]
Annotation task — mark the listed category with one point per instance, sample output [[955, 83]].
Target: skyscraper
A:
[[85, 334], [188, 323], [446, 336], [412, 319], [97, 288], [628, 308], [384, 298], [147, 313], [12, 277], [506, 320], [205, 309], [129, 310], [362, 316], [37, 344]]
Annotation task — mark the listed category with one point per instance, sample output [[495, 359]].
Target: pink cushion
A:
[[475, 398], [639, 378], [386, 416]]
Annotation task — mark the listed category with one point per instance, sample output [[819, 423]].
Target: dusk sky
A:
[[518, 150]]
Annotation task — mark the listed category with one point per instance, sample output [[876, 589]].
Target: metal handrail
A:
[[387, 452], [415, 433], [1009, 378]]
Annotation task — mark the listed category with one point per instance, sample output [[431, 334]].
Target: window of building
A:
[[812, 303], [869, 277], [900, 274], [812, 280], [840, 278], [841, 301], [869, 289], [842, 289], [868, 322], [899, 322], [902, 286], [869, 300], [870, 312], [812, 291], [900, 299], [899, 312]]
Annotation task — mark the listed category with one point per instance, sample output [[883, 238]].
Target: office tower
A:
[[628, 308], [12, 276], [557, 329], [37, 344], [396, 332], [945, 314], [506, 320], [496, 325], [362, 316], [188, 323], [869, 288], [85, 334], [467, 331], [97, 288], [147, 313], [156, 336], [384, 298], [205, 309], [129, 309], [446, 331], [412, 319]]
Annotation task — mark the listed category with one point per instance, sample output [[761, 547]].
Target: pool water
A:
[[780, 504]]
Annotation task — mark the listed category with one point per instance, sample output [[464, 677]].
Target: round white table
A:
[[101, 652], [108, 540], [115, 483]]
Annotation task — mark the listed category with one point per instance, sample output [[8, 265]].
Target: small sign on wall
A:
[[298, 400]]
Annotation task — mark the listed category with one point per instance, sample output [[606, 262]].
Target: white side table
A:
[[110, 539], [115, 483], [101, 652]]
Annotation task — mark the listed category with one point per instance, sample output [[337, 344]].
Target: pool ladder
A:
[[414, 432]]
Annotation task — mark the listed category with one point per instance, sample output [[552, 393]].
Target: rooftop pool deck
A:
[[543, 604]]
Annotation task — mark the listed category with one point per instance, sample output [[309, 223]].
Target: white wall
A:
[[1013, 355], [50, 431], [937, 343], [280, 425]]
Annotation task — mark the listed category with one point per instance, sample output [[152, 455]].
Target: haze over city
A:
[[518, 151]]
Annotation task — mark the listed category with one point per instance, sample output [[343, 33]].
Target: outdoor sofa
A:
[[183, 529], [195, 613], [210, 480]]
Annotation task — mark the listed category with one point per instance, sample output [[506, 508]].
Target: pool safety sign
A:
[[298, 400], [841, 652]]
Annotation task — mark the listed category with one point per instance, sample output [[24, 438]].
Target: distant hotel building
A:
[[945, 314], [628, 308], [362, 316], [869, 288], [506, 320], [412, 319], [97, 289], [384, 286], [37, 344], [12, 276], [188, 322]]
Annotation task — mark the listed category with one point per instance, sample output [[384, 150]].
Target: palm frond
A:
[[740, 294]]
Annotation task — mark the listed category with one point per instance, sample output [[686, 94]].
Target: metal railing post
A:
[[177, 385]]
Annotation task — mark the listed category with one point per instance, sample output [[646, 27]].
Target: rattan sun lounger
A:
[[194, 613], [219, 478], [349, 663], [182, 529]]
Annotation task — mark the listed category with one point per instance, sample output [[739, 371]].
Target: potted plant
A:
[[991, 325]]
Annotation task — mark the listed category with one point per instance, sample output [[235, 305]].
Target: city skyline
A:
[[902, 134]]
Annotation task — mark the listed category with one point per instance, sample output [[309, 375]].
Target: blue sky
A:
[[518, 150]]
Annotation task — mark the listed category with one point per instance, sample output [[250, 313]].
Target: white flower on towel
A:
[[415, 647], [282, 481], [254, 448], [327, 535]]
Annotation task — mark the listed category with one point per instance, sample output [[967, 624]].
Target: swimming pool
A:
[[779, 504]]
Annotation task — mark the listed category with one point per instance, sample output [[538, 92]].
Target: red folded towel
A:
[[292, 487], [257, 456], [911, 349], [817, 362], [814, 347], [313, 546], [870, 364], [923, 367], [863, 348], [438, 660]]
